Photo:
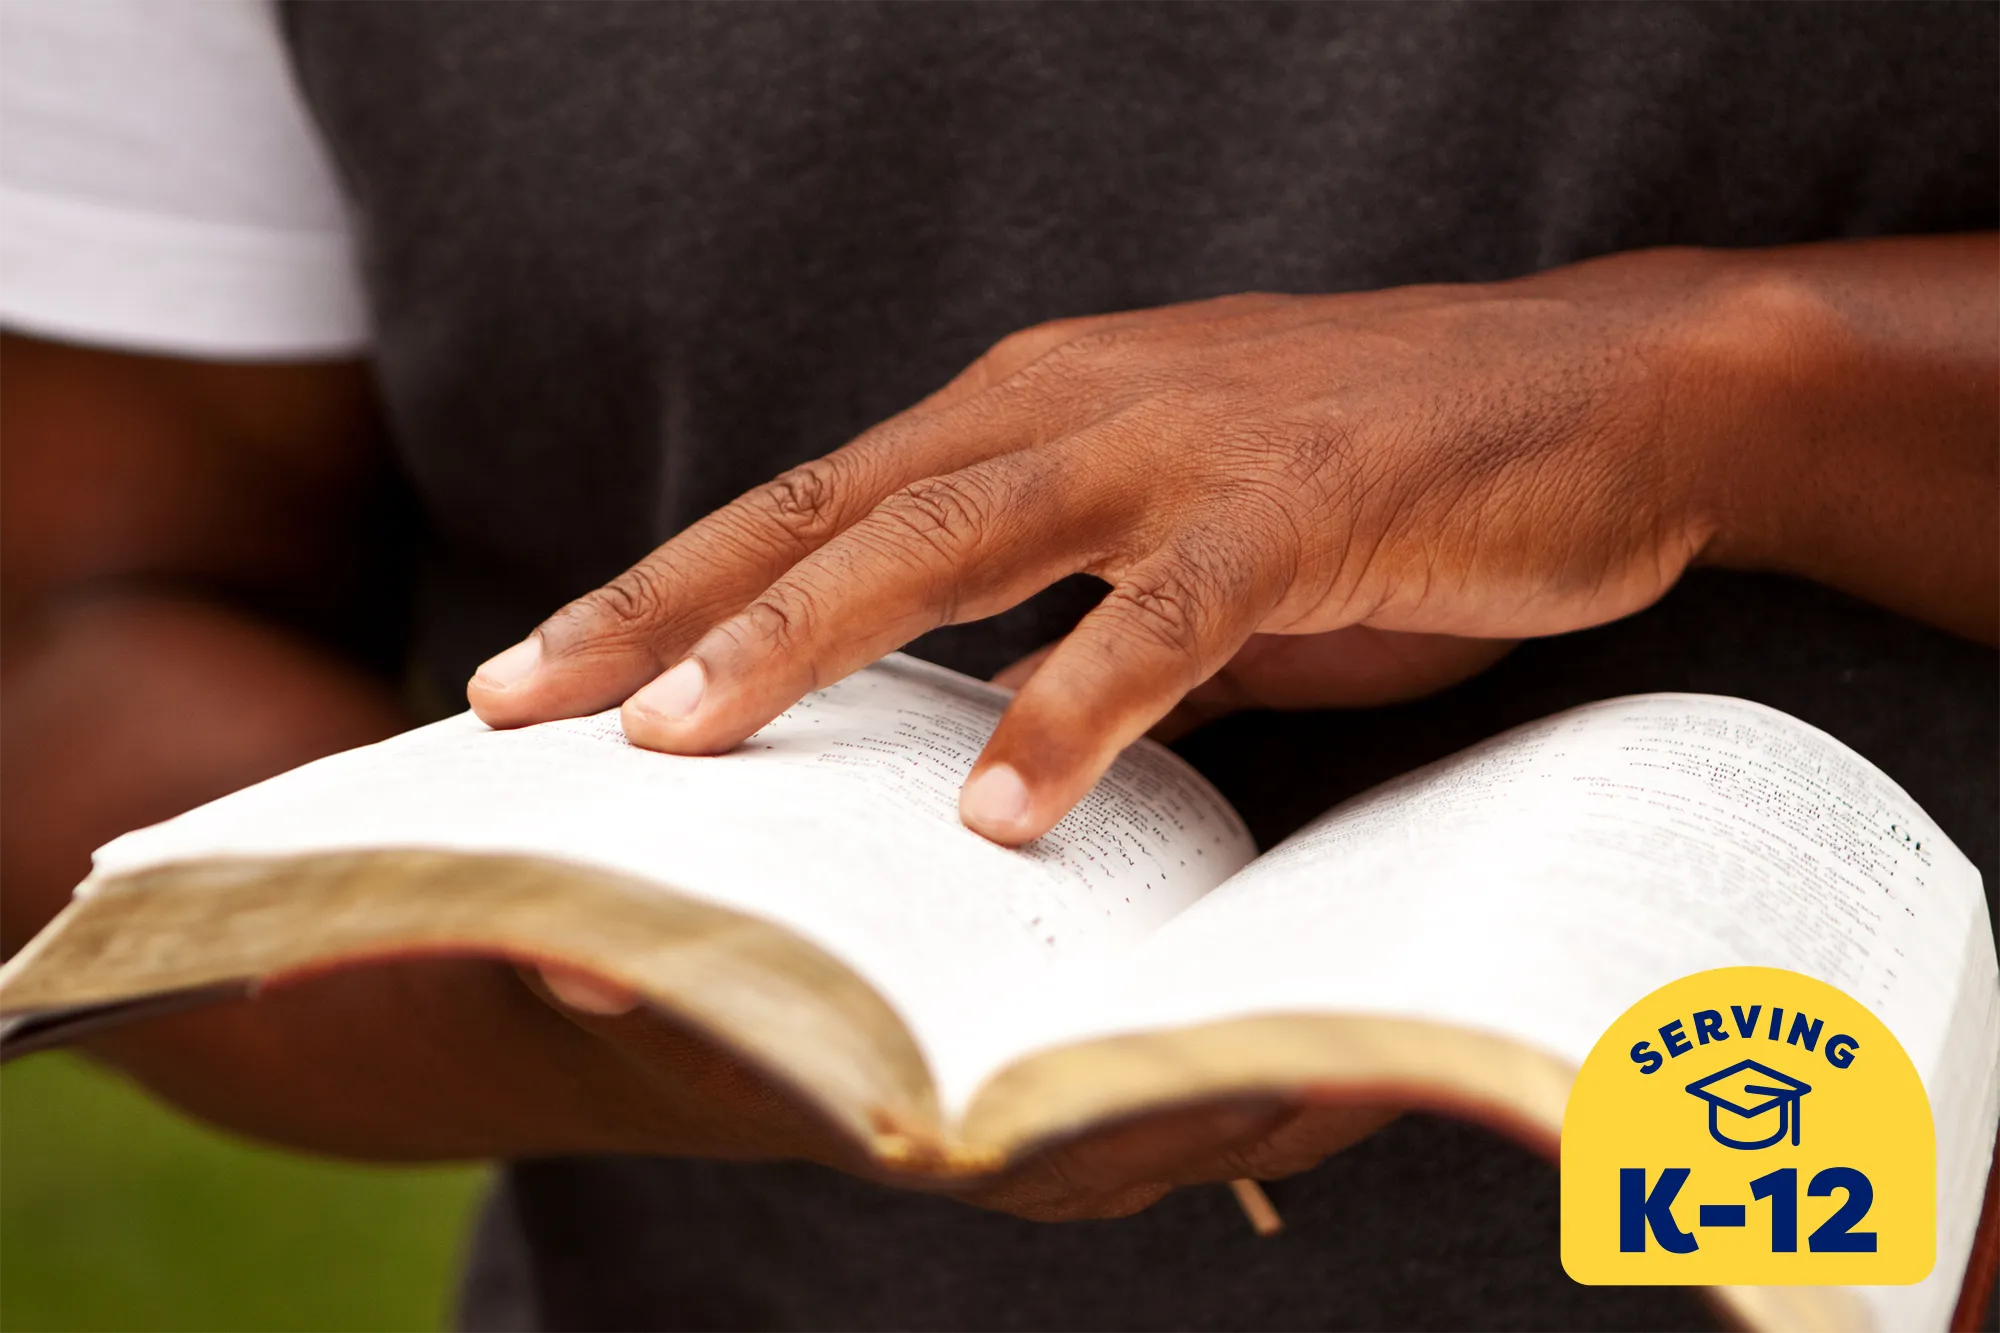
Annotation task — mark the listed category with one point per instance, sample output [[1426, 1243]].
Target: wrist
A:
[[1759, 359]]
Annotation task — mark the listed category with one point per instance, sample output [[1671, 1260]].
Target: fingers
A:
[[1300, 1142], [604, 646], [596, 651], [1020, 350], [1015, 674], [1159, 632], [945, 549], [685, 1092], [1121, 1169], [586, 992]]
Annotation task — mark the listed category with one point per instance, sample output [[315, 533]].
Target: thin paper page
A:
[[839, 819], [1545, 880], [1541, 883]]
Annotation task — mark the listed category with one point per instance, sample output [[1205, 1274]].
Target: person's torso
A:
[[627, 261]]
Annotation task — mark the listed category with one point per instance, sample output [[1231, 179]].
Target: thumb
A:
[[586, 992]]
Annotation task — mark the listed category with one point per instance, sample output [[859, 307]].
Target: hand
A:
[[1117, 1170], [1476, 462], [1356, 667], [1112, 1171]]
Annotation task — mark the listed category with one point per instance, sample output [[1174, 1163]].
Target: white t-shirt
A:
[[161, 188]]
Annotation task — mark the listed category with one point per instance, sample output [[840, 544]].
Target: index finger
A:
[[603, 646]]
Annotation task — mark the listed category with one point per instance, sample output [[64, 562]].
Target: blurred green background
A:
[[116, 1214]]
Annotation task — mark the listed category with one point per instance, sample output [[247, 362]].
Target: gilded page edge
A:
[[1330, 1058], [780, 1001]]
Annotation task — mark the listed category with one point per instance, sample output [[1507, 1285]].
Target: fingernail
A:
[[995, 802], [676, 694], [589, 994], [505, 670]]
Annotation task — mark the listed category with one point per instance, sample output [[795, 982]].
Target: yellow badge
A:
[[1748, 1126]]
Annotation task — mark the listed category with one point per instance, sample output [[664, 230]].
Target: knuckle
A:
[[1092, 350], [635, 602], [778, 622], [1161, 608], [629, 597], [946, 513], [1058, 352], [803, 502], [1013, 354], [1035, 341]]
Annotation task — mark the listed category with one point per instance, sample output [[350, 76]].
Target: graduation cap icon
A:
[[1744, 1093]]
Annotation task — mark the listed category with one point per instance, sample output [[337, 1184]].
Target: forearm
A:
[[122, 703], [123, 710], [1846, 397], [126, 709]]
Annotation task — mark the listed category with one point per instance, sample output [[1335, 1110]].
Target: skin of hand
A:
[[1356, 667], [1420, 475], [1840, 396], [1312, 502], [147, 506], [1112, 1171]]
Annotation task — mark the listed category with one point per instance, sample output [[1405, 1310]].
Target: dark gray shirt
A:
[[627, 261]]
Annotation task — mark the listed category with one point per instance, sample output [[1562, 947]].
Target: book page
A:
[[839, 820], [1541, 883]]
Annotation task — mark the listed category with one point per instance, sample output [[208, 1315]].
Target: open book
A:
[[1457, 938]]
